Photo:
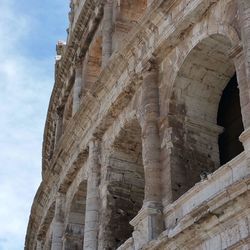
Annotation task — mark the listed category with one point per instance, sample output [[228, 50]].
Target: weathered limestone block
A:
[[147, 225], [244, 15]]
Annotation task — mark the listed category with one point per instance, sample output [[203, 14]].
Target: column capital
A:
[[150, 219]]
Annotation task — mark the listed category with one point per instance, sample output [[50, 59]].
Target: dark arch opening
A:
[[229, 117], [126, 189]]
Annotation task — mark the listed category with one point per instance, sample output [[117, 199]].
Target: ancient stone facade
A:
[[147, 137]]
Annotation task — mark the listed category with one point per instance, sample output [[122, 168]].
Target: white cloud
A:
[[13, 26], [25, 84]]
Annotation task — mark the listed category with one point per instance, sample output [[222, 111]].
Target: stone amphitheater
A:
[[147, 137]]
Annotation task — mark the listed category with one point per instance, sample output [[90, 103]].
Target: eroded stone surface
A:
[[131, 158]]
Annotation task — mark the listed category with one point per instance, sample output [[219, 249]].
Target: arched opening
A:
[[74, 226], [126, 185], [229, 117], [193, 113]]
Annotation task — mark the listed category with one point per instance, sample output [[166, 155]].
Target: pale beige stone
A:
[[131, 158]]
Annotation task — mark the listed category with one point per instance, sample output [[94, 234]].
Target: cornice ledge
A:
[[208, 208], [61, 71]]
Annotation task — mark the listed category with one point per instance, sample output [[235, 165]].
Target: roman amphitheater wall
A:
[[139, 161]]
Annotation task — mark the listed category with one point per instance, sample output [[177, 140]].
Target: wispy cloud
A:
[[26, 79]]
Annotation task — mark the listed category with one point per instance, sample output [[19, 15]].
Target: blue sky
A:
[[29, 30]]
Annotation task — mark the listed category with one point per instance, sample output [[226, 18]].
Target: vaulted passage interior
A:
[[204, 115], [126, 186], [75, 220]]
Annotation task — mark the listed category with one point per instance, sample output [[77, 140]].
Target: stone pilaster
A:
[[148, 223], [93, 199], [77, 88], [244, 15], [59, 123], [58, 223], [237, 55], [107, 32]]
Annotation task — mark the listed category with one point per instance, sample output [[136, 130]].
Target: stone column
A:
[[148, 224], [150, 135], [58, 223], [107, 32], [238, 57], [59, 123], [77, 88], [93, 199], [244, 15]]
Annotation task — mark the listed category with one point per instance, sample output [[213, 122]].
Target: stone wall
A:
[[131, 158]]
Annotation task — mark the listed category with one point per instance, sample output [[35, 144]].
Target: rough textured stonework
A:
[[147, 137]]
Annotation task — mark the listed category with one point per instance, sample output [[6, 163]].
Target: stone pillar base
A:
[[148, 224]]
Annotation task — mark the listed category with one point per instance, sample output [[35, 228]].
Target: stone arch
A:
[[75, 220], [126, 182], [193, 109], [176, 58]]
